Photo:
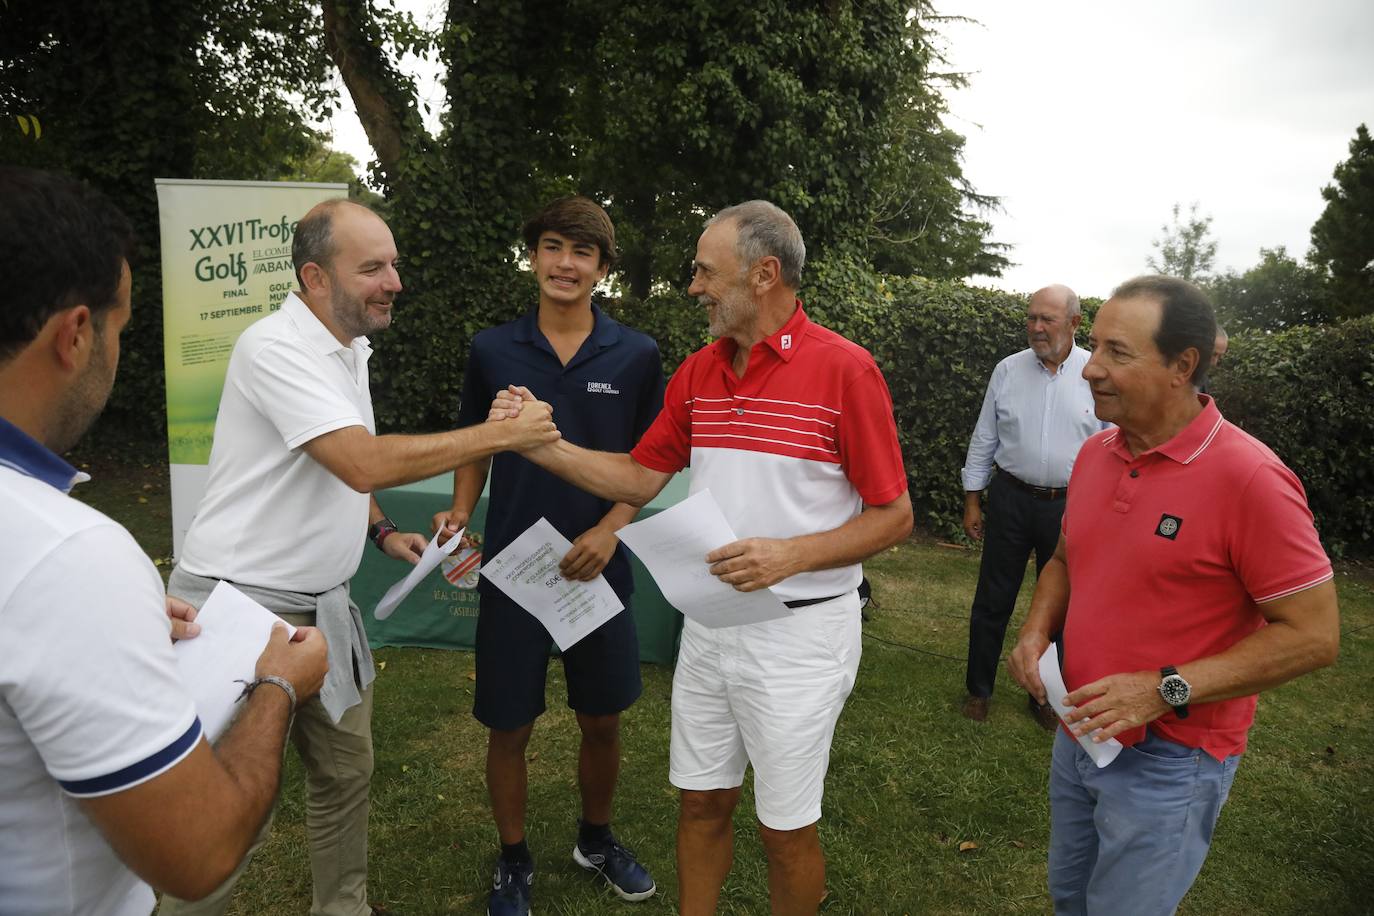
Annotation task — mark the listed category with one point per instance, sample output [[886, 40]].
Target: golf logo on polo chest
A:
[[1168, 526]]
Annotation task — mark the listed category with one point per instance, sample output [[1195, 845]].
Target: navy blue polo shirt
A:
[[604, 399]]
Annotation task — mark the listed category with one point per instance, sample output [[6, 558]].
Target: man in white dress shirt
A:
[[1037, 411]]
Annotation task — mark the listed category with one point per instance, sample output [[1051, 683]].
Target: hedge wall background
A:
[[1308, 393]]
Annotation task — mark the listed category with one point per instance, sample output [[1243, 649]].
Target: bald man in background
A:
[[1037, 411]]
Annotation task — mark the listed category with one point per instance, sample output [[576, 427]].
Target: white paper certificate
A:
[[527, 571], [234, 630], [1055, 691], [432, 557], [673, 546]]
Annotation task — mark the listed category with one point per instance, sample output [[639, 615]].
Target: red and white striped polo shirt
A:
[[797, 446]]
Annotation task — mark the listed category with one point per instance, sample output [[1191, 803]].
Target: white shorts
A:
[[766, 694]]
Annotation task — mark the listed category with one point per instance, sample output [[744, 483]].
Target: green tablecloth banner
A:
[[441, 615]]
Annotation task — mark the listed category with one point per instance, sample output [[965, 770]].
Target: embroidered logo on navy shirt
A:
[[1168, 526], [601, 388]]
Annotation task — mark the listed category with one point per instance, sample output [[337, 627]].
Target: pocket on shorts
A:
[[841, 629]]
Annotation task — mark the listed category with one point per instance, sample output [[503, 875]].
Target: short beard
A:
[[351, 314], [83, 402], [734, 312]]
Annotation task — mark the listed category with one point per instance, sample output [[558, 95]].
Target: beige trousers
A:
[[338, 767]]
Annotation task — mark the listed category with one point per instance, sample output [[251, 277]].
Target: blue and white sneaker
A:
[[510, 889], [615, 863]]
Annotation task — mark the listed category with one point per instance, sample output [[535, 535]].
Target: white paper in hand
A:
[[673, 546], [431, 558], [527, 571], [1055, 691], [234, 629]]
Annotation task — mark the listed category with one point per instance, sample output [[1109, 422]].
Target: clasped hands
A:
[[747, 565]]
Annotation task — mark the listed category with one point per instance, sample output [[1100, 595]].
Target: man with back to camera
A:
[[1188, 578], [106, 780], [1036, 414], [288, 503], [605, 381], [790, 427]]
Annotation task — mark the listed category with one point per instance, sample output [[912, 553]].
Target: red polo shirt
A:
[[796, 446], [1170, 554]]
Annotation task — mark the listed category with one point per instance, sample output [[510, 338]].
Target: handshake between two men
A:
[[747, 565]]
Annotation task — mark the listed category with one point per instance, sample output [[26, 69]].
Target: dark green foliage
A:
[[1308, 393], [937, 344], [672, 318], [1278, 292], [669, 111], [128, 92], [1343, 236], [665, 113]]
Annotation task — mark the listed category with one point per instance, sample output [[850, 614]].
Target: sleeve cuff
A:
[[153, 765]]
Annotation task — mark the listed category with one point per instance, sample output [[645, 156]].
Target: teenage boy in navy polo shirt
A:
[[606, 383]]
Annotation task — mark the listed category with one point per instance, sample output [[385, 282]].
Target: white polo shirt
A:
[[271, 515], [90, 699]]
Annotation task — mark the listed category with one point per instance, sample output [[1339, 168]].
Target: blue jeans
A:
[[1131, 838]]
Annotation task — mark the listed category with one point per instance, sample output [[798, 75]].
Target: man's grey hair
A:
[[766, 230], [314, 238]]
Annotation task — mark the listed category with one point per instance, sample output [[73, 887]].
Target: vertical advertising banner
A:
[[226, 262]]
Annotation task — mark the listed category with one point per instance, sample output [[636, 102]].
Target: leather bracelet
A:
[[276, 681]]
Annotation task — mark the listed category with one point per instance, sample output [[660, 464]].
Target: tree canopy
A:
[[1185, 248], [663, 112], [1343, 236], [1277, 293], [127, 91]]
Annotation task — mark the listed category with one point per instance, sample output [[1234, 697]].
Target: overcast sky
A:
[[1091, 119]]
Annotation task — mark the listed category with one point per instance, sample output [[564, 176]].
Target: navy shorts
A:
[[513, 649]]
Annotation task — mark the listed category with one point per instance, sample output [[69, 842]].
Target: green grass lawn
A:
[[911, 782]]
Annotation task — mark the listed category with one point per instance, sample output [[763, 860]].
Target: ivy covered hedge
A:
[[1308, 393]]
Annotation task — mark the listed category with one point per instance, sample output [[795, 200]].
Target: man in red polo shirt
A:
[[790, 427], [1188, 578]]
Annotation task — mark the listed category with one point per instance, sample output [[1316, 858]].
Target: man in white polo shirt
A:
[[790, 427], [287, 507], [106, 780]]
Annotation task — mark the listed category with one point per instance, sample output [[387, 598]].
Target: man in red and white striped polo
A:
[[790, 427]]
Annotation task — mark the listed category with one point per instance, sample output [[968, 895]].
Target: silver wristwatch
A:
[[1175, 690]]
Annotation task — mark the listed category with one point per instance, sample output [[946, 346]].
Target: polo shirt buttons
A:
[[1135, 472]]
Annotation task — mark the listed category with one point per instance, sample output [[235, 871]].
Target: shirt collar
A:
[[784, 342], [316, 335], [1187, 444], [605, 330], [25, 454], [1069, 363]]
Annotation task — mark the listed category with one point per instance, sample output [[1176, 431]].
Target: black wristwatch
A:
[[1175, 690], [378, 531]]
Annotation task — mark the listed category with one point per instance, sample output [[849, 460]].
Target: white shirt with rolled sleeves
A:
[[1032, 423], [272, 516], [91, 702]]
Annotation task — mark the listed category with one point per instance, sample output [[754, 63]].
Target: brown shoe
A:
[[975, 708], [1043, 714]]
